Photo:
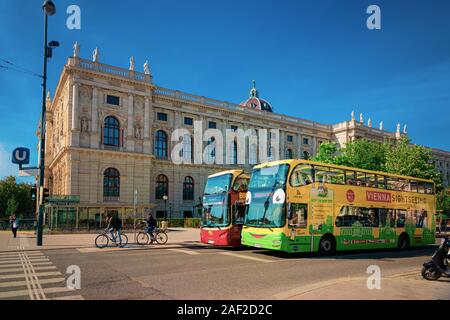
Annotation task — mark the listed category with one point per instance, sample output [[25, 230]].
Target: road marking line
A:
[[16, 254], [24, 283], [18, 261], [185, 251], [14, 294], [69, 298], [21, 275], [35, 278], [27, 281], [18, 265], [231, 254]]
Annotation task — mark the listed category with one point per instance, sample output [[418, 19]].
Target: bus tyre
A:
[[327, 245], [403, 242]]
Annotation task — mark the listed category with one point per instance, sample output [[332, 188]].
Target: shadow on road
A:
[[382, 254]]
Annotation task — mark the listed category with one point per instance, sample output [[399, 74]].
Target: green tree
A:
[[364, 154], [21, 192], [12, 206], [327, 153], [443, 201], [407, 159]]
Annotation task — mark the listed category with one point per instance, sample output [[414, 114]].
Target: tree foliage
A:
[[398, 157], [15, 198]]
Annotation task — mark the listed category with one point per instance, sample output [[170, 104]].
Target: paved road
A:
[[204, 273], [198, 272]]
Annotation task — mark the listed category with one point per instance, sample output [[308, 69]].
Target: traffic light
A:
[[33, 193], [45, 195]]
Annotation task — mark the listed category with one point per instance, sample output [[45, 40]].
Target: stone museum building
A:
[[109, 142]]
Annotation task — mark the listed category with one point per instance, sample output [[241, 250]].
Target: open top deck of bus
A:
[[314, 163]]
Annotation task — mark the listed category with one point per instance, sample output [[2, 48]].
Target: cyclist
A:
[[151, 225], [114, 225]]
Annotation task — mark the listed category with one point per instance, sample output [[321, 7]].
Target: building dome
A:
[[255, 102]]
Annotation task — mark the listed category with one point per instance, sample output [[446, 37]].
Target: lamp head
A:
[[53, 44], [49, 7]]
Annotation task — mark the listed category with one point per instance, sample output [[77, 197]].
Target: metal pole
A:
[[42, 142], [134, 208]]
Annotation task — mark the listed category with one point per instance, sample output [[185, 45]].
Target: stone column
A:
[[75, 98], [314, 146], [75, 133], [147, 119], [282, 144], [130, 130], [94, 123], [299, 146]]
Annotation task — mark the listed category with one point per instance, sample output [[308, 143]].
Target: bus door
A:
[[297, 226]]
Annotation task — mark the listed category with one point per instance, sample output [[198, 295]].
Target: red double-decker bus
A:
[[224, 208]]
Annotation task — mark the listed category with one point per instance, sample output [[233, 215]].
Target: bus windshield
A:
[[215, 201], [266, 199], [215, 210], [218, 184]]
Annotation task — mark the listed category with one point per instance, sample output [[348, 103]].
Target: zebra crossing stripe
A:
[[24, 283], [18, 261], [21, 275], [69, 298]]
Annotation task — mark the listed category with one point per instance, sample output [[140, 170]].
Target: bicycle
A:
[[105, 237], [158, 235]]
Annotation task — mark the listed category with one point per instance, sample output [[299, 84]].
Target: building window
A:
[[306, 155], [162, 187], [233, 153], [270, 154], [290, 138], [234, 128], [160, 214], [188, 188], [306, 141], [162, 116], [186, 149], [211, 150], [161, 144], [289, 154], [111, 132], [113, 100], [212, 125], [111, 183], [188, 121]]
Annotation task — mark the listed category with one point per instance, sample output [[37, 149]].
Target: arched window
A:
[[111, 183], [289, 154], [161, 144], [111, 132], [186, 151], [162, 187], [188, 188], [306, 155]]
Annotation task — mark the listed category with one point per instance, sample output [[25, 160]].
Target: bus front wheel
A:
[[403, 242], [327, 245]]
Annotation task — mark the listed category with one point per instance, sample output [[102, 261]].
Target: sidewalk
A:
[[396, 287], [178, 237]]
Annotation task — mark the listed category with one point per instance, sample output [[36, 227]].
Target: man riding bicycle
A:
[[114, 224], [151, 225]]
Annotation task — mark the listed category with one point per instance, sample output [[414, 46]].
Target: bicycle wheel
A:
[[142, 238], [124, 239], [101, 241], [161, 238]]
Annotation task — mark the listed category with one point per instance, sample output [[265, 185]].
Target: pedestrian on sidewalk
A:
[[14, 224]]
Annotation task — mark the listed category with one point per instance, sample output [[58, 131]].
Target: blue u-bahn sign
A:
[[21, 156]]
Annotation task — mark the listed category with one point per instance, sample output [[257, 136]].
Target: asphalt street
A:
[[198, 272]]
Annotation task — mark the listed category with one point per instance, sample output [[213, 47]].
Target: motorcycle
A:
[[439, 265]]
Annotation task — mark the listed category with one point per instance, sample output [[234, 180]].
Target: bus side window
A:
[[381, 182], [302, 175], [298, 215], [401, 218]]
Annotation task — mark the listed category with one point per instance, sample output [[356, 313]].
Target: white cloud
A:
[[6, 167]]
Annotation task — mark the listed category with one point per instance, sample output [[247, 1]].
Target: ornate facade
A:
[[109, 129]]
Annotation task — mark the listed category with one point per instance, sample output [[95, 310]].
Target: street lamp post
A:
[[49, 10], [165, 198]]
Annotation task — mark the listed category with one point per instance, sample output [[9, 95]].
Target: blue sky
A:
[[312, 59]]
